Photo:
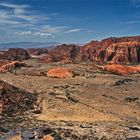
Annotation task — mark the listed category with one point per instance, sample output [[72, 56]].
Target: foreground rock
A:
[[14, 101], [8, 65], [15, 54], [60, 72], [120, 69]]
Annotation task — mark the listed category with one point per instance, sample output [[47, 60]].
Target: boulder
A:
[[47, 137], [60, 72]]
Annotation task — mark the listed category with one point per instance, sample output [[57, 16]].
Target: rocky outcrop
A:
[[15, 54], [37, 51], [63, 53], [60, 72], [121, 53], [120, 69], [14, 101], [8, 65], [86, 52], [123, 50]]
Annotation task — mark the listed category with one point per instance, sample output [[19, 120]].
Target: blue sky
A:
[[67, 21]]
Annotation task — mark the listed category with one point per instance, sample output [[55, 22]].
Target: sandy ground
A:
[[93, 96]]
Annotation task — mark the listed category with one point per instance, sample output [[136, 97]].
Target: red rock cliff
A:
[[123, 50]]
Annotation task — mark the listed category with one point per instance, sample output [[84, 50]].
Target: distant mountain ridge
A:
[[26, 45]]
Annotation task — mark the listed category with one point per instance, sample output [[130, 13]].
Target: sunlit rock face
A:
[[123, 50]]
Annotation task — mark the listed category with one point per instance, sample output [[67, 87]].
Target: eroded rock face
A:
[[120, 69], [123, 50], [86, 52], [15, 54], [64, 53], [60, 72], [8, 65], [37, 51]]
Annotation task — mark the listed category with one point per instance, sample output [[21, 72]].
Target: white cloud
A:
[[42, 34], [132, 22], [21, 20], [53, 29], [21, 13], [73, 31], [17, 9], [14, 6]]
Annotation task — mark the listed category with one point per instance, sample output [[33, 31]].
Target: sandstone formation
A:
[[15, 54], [123, 50], [63, 53], [8, 65], [121, 53], [60, 72], [120, 69], [37, 51], [86, 52]]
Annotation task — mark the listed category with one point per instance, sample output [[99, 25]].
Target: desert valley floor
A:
[[93, 105]]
